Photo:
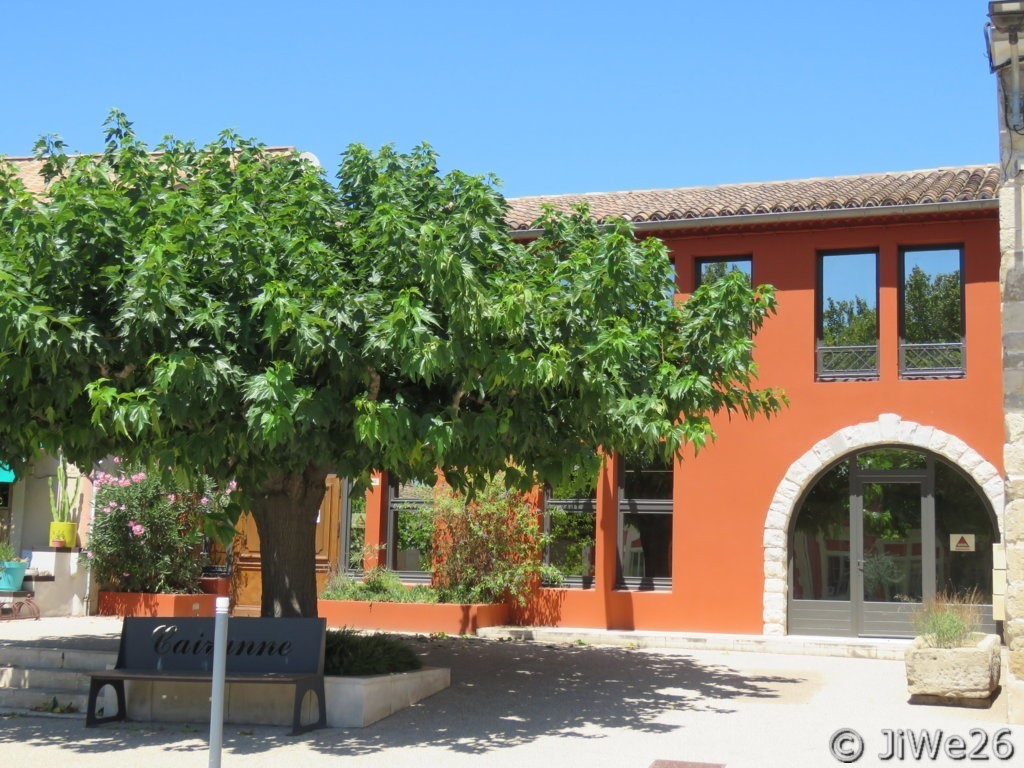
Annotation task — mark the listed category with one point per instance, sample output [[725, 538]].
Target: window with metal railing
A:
[[846, 342], [932, 313]]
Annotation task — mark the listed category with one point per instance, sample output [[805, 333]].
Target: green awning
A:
[[6, 475]]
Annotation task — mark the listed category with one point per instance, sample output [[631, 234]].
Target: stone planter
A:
[[149, 604], [427, 618], [352, 702], [960, 676]]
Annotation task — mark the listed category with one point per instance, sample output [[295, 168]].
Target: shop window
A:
[[931, 313], [410, 529], [847, 335], [353, 530], [963, 537], [645, 524], [570, 521], [713, 269], [821, 539]]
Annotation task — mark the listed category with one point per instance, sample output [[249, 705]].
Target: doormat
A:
[[684, 764]]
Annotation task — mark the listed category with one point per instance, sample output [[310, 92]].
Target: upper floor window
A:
[[847, 336], [931, 312], [712, 269]]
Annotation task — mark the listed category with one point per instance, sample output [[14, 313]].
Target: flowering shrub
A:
[[147, 535], [488, 549]]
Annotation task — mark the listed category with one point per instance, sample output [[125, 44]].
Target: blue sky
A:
[[551, 96]]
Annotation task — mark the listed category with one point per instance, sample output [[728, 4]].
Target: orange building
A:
[[879, 485]]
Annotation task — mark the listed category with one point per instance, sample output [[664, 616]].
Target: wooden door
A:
[[246, 582]]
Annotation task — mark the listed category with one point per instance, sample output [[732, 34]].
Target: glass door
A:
[[893, 520]]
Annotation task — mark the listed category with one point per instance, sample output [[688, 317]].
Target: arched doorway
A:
[[880, 531]]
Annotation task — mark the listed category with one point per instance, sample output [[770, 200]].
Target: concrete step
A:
[[69, 680], [55, 658], [865, 648], [24, 699]]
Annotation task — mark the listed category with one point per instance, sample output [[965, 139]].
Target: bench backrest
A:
[[254, 645]]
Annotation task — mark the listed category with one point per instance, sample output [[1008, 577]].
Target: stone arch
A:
[[890, 429]]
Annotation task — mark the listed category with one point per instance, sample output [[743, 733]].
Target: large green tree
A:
[[228, 308]]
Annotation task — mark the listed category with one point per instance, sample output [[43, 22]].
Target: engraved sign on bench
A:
[[181, 650]]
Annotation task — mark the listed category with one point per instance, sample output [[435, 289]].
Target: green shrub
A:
[[488, 549], [349, 653], [950, 619], [379, 585]]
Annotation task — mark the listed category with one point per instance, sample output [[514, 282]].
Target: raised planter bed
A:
[[352, 702], [450, 618], [149, 604]]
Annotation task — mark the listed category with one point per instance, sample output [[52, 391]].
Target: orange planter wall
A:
[[147, 604], [452, 619]]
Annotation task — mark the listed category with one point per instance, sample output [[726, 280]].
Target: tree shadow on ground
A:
[[503, 694]]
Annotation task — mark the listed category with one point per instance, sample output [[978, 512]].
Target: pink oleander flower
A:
[[204, 501], [138, 530], [172, 497], [117, 460], [89, 555], [232, 486]]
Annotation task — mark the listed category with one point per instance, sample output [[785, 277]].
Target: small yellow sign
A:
[[961, 542]]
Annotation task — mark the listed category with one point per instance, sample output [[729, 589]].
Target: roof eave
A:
[[784, 217]]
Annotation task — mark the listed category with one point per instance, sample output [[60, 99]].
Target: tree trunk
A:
[[285, 509]]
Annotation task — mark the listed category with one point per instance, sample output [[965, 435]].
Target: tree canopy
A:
[[229, 309]]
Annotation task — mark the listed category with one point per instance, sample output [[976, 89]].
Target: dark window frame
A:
[[861, 374], [584, 506], [395, 504], [346, 531], [700, 261], [638, 506], [933, 373]]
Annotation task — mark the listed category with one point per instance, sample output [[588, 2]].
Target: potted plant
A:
[[12, 568], [950, 661], [63, 507]]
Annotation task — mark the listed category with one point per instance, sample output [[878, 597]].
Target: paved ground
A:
[[531, 704]]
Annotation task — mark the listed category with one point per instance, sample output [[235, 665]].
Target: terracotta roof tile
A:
[[877, 190]]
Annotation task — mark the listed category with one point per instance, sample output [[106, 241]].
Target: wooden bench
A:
[[181, 650]]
